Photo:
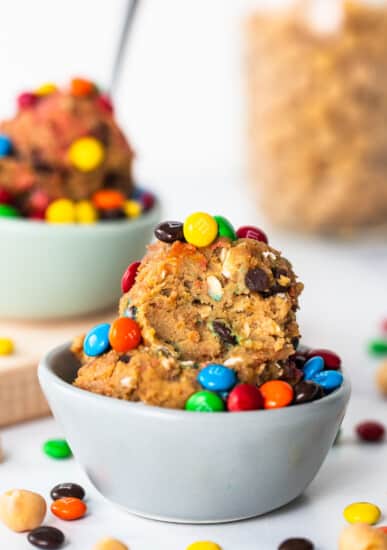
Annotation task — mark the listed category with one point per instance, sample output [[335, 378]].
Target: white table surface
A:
[[180, 98]]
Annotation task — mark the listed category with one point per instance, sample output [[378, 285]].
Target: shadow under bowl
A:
[[56, 271], [189, 467]]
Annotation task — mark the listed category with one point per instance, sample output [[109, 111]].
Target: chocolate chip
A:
[[307, 391], [101, 132], [111, 214], [291, 373], [224, 333], [39, 163], [299, 360], [295, 342], [257, 280], [124, 358], [67, 490], [46, 537], [296, 544], [169, 232]]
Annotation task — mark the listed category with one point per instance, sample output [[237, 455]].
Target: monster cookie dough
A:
[[63, 158], [206, 326]]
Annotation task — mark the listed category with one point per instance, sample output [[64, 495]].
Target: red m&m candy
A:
[[5, 196], [105, 103], [370, 431], [244, 397], [27, 99], [124, 334], [129, 276], [331, 360], [251, 232]]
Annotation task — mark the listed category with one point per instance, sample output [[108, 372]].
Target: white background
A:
[[181, 101]]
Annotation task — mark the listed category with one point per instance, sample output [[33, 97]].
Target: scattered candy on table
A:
[[68, 508], [67, 490], [362, 512], [7, 347], [22, 510], [110, 544], [378, 347], [370, 431], [46, 537], [203, 545], [296, 544], [57, 448], [361, 536], [381, 378]]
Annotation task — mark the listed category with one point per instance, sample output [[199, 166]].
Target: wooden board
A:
[[20, 395]]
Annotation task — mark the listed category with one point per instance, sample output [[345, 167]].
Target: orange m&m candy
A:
[[124, 334], [276, 394], [81, 87], [68, 508], [108, 199]]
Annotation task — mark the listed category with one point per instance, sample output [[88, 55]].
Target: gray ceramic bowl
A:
[[53, 271], [191, 467]]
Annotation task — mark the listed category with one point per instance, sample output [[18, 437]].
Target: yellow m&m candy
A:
[[200, 229], [204, 545], [46, 89], [6, 346], [362, 512], [132, 209], [85, 212], [86, 154], [61, 211]]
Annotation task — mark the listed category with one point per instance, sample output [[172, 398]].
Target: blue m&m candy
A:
[[312, 367], [97, 340], [217, 378], [328, 379], [5, 145]]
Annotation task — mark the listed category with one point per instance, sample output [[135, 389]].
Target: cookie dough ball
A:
[[233, 302], [110, 544], [381, 378], [22, 510], [64, 145], [362, 537]]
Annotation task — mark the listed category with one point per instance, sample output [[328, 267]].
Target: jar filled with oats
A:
[[317, 113]]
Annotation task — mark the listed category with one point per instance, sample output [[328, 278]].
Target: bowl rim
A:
[[34, 227], [46, 371]]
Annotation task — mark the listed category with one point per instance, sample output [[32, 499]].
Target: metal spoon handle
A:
[[120, 50]]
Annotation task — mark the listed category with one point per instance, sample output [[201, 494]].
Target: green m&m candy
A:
[[57, 448], [7, 211], [378, 347], [205, 401], [225, 228]]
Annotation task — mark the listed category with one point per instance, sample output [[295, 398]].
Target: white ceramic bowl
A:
[[191, 467], [54, 271]]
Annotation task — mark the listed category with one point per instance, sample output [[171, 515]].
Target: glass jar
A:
[[317, 114]]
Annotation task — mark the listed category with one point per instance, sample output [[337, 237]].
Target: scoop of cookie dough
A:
[[40, 162], [233, 302]]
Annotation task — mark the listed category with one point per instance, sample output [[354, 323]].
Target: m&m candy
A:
[[57, 448], [129, 276], [85, 213], [46, 89], [132, 209], [47, 537], [312, 367], [370, 431], [276, 394], [251, 232], [108, 199], [97, 340], [329, 379], [200, 229], [26, 100], [8, 211], [5, 196], [244, 397], [5, 145], [124, 334], [68, 508], [7, 346], [81, 87], [362, 512], [225, 228], [203, 545], [61, 211], [331, 360], [169, 232], [205, 401], [67, 490], [217, 378], [86, 154]]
